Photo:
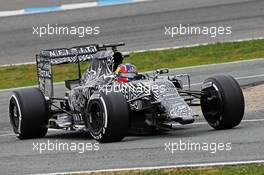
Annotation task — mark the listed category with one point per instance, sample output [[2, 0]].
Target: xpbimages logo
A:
[[79, 31], [211, 31], [56, 146], [213, 147]]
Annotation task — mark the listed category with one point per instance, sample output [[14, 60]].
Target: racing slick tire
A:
[[28, 113], [107, 117], [223, 102]]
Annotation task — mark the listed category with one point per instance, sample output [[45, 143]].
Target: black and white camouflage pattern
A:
[[97, 76], [91, 80]]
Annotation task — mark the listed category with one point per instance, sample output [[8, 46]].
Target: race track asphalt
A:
[[141, 26], [139, 151]]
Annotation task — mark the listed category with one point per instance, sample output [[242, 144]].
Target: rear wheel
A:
[[107, 117], [223, 102], [28, 113]]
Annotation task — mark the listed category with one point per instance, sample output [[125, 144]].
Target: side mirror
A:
[[162, 71]]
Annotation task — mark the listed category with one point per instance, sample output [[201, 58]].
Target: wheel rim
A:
[[96, 117], [211, 105], [14, 115]]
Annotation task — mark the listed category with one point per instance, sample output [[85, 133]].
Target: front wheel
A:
[[222, 102]]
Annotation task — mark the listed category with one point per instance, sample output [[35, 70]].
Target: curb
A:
[[63, 7]]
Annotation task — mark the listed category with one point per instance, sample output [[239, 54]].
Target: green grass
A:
[[214, 53], [25, 75], [254, 169]]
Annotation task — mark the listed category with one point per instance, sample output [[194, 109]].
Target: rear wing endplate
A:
[[47, 58]]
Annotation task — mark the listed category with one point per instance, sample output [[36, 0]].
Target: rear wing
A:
[[65, 55], [47, 58]]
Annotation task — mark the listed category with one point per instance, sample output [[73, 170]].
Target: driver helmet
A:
[[125, 73]]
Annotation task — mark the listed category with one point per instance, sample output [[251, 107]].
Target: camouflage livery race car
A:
[[111, 99]]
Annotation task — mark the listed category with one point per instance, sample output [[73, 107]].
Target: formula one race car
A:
[[111, 99]]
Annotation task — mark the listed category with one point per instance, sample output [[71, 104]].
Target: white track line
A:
[[164, 167], [243, 121], [78, 5], [11, 13], [17, 64], [237, 78], [9, 134], [196, 123], [194, 45], [251, 76]]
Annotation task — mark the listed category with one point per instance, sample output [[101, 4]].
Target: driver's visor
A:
[[127, 75]]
